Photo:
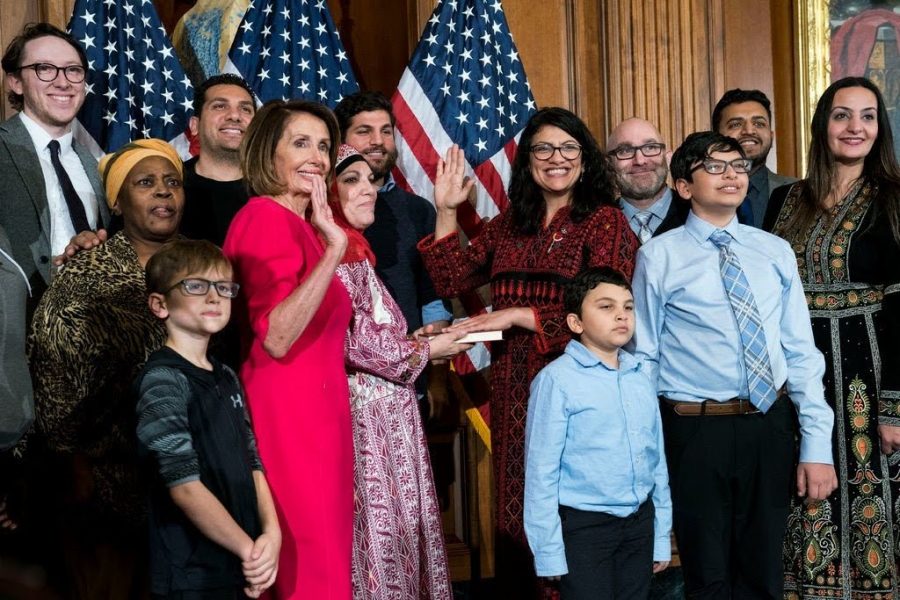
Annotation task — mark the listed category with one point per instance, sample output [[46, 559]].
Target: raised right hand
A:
[[323, 220], [451, 186]]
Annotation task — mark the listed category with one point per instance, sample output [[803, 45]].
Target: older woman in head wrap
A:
[[398, 545], [92, 332]]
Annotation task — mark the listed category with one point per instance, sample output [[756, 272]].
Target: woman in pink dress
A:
[[398, 545], [295, 314]]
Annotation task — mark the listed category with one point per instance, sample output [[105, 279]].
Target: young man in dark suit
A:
[[51, 188]]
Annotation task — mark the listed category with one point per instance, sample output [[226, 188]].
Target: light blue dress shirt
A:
[[658, 209], [687, 333], [593, 441]]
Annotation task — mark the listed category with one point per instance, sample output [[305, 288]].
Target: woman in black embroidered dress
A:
[[843, 222], [562, 218]]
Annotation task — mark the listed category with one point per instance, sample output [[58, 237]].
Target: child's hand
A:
[[660, 565], [262, 566]]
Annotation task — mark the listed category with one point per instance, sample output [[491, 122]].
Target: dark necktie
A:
[[73, 202], [745, 210]]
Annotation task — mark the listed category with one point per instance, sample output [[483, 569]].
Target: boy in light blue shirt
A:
[[598, 513]]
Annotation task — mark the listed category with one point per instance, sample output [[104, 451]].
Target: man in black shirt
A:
[[214, 187]]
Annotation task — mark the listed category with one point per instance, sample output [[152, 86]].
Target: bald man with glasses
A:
[[639, 158]]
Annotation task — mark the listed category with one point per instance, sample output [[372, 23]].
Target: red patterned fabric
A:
[[524, 271], [398, 545]]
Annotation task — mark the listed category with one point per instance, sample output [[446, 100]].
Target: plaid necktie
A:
[[643, 218], [753, 338]]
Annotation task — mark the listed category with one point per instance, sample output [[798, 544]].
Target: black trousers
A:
[[608, 557], [731, 479]]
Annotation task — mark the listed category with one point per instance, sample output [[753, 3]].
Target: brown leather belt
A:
[[712, 408], [735, 406]]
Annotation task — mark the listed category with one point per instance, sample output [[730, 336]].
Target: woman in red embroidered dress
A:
[[562, 218]]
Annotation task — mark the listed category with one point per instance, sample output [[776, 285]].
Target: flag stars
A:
[[429, 60], [147, 86], [167, 74], [244, 48], [168, 95], [463, 97], [482, 124], [110, 47], [431, 39], [166, 52], [88, 42], [286, 57], [304, 64], [110, 70], [449, 47], [446, 88], [88, 17], [466, 54], [341, 55], [167, 118], [247, 26], [263, 74], [513, 56], [323, 72], [129, 31], [110, 94], [303, 20], [286, 35], [110, 23], [448, 68], [266, 31], [265, 53], [465, 76], [186, 82], [462, 118], [322, 50], [110, 117], [481, 145], [485, 80], [146, 21], [128, 8], [320, 28], [148, 64], [285, 80], [342, 78]]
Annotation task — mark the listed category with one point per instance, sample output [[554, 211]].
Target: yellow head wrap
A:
[[115, 167]]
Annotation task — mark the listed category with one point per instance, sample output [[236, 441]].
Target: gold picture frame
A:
[[813, 60]]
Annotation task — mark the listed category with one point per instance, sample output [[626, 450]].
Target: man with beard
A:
[[746, 115], [214, 187], [640, 161], [401, 218]]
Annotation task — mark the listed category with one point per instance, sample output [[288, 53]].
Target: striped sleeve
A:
[[163, 429]]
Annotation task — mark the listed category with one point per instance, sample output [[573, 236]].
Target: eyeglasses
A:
[[714, 166], [648, 150], [545, 151], [47, 72], [200, 287]]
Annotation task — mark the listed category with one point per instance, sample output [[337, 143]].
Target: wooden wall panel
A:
[[662, 62]]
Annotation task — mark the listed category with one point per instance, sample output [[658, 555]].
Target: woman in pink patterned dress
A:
[[398, 546], [295, 314]]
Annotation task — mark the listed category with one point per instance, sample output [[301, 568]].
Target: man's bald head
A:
[[640, 177]]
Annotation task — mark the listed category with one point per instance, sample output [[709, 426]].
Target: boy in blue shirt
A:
[[597, 505], [213, 528], [723, 328]]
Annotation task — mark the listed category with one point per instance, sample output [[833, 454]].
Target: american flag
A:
[[464, 85], [291, 49], [135, 85]]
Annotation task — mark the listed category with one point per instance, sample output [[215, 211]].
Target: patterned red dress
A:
[[524, 271], [398, 544]]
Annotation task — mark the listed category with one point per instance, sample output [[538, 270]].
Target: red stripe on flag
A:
[[510, 148], [493, 183]]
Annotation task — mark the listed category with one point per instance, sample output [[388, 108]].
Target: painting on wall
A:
[[842, 38]]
